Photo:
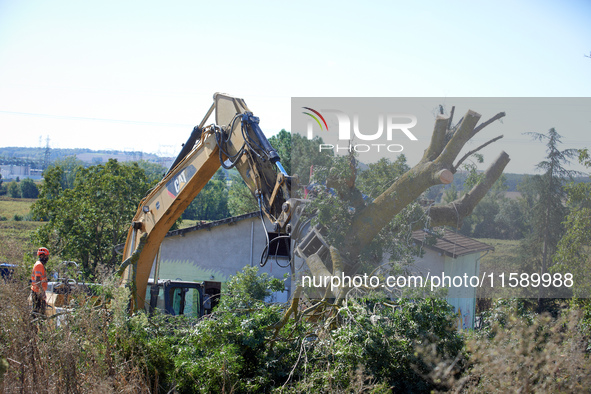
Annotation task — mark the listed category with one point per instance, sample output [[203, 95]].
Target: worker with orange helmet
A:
[[39, 282]]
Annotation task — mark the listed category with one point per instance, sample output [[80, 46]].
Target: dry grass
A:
[[15, 241], [505, 258], [75, 356], [15, 206], [539, 356]]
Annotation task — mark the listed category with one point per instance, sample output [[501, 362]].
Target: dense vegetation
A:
[[371, 343], [378, 346]]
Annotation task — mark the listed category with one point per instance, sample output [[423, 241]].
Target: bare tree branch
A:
[[483, 125], [451, 116], [455, 168]]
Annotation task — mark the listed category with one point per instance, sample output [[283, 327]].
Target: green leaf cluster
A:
[[212, 202], [574, 249], [238, 349], [86, 221]]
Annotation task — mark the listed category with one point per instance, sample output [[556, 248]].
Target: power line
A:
[[95, 119]]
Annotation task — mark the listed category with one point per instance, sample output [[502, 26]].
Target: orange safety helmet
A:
[[43, 252]]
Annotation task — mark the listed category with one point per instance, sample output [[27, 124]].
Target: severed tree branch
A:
[[437, 139], [452, 214], [459, 139], [436, 167]]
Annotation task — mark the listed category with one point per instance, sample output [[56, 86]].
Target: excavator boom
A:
[[234, 140]]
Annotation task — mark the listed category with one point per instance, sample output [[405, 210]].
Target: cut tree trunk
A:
[[435, 168]]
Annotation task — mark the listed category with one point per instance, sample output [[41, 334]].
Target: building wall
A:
[[432, 262], [462, 299], [219, 252]]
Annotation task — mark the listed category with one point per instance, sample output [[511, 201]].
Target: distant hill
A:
[[21, 163], [36, 157]]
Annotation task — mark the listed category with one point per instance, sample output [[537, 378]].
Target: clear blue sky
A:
[[138, 75]]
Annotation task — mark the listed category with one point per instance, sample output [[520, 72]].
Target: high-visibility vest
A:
[[38, 271]]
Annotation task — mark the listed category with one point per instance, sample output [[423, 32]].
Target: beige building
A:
[[217, 250], [455, 256]]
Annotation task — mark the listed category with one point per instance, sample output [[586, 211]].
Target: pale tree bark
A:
[[436, 167]]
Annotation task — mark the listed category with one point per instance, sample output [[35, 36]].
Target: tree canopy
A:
[[86, 221], [212, 202]]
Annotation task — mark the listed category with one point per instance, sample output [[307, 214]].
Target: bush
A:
[[529, 353], [395, 348], [14, 190], [29, 189]]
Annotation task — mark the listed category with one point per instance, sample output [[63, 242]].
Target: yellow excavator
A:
[[234, 139]]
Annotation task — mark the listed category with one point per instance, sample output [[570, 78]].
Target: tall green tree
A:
[[547, 210], [298, 154], [378, 176], [154, 171], [282, 144], [85, 222], [67, 168], [574, 249]]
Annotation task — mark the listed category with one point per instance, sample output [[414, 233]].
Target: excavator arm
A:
[[234, 140]]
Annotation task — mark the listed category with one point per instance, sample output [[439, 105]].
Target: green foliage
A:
[[337, 203], [386, 343], [381, 175], [496, 216], [29, 189], [248, 288], [282, 144], [240, 199], [545, 208], [474, 177], [212, 202], [501, 312], [14, 190], [86, 221], [298, 154], [574, 249], [451, 194], [236, 349], [154, 172], [149, 344], [231, 348], [64, 171]]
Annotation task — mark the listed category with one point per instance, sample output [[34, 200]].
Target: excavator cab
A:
[[182, 298]]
